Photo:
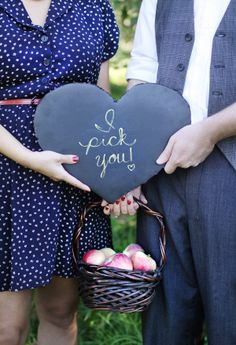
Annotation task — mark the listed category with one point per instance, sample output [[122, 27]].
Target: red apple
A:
[[131, 249], [119, 260], [143, 262], [107, 252], [94, 257], [153, 263]]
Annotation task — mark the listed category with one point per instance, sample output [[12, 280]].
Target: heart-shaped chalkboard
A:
[[117, 142]]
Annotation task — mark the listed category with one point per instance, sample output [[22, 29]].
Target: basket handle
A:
[[148, 210]]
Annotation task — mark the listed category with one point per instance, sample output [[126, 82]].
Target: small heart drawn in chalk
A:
[[111, 138], [131, 167]]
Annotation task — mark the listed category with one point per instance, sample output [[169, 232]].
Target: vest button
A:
[[220, 34], [188, 37], [217, 93], [219, 65], [180, 67]]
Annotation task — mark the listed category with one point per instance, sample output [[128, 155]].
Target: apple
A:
[[119, 260], [107, 252], [153, 263], [94, 257], [143, 262], [131, 249]]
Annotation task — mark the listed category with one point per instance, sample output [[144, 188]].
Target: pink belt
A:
[[21, 101]]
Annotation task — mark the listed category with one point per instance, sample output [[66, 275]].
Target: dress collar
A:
[[16, 9]]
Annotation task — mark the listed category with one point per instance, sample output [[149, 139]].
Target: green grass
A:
[[107, 328]]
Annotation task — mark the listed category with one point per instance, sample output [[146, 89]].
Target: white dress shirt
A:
[[144, 61]]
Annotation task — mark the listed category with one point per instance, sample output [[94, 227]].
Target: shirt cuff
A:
[[143, 69]]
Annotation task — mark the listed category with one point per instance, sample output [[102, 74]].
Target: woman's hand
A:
[[49, 163], [126, 204]]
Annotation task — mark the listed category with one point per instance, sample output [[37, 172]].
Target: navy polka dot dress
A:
[[38, 216]]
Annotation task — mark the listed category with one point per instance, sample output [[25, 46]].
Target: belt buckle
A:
[[33, 101]]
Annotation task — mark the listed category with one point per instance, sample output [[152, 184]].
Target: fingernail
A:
[[117, 202], [75, 159], [123, 198], [129, 202]]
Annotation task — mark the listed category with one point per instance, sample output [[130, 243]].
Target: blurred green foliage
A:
[[126, 13]]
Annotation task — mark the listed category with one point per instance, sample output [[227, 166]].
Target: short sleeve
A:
[[111, 31], [144, 61]]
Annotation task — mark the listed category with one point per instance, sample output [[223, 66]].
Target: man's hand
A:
[[188, 147]]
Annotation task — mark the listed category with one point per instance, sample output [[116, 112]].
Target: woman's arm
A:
[[13, 149], [47, 163], [103, 78]]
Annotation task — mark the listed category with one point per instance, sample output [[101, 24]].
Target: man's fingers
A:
[[165, 155], [74, 182], [170, 166]]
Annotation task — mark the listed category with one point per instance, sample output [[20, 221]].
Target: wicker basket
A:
[[108, 288]]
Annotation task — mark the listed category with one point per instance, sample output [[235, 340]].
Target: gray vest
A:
[[175, 39]]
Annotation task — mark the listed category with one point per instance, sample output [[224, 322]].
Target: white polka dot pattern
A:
[[37, 215]]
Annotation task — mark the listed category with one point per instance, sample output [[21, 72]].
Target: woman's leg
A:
[[57, 305], [14, 317]]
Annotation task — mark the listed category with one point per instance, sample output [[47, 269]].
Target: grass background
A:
[[105, 328]]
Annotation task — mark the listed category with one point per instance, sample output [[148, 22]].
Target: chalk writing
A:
[[116, 138]]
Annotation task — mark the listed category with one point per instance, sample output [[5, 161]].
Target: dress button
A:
[[188, 37], [46, 62], [217, 93], [44, 38], [220, 34], [44, 80], [180, 67]]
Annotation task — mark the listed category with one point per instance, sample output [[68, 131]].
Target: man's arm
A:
[[192, 144], [134, 82], [143, 65], [223, 124]]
